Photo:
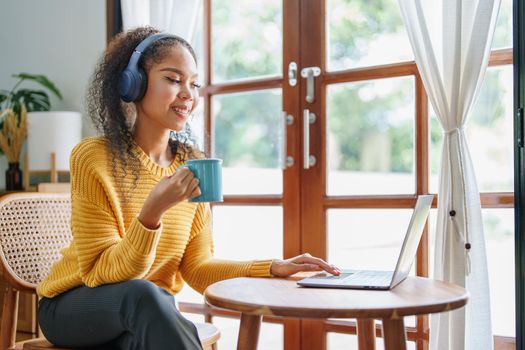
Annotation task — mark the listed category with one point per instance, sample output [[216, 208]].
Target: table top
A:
[[283, 297]]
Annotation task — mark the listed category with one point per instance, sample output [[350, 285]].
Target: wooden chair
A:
[[33, 229], [54, 187]]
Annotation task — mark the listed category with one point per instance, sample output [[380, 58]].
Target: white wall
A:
[[62, 39]]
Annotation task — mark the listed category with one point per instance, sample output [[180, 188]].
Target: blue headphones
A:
[[133, 80]]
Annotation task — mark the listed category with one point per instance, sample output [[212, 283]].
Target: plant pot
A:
[[52, 132]]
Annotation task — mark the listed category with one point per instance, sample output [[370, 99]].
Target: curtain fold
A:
[[177, 17], [451, 40]]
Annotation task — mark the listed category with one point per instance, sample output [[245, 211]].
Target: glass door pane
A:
[[358, 240], [498, 225], [248, 232], [365, 33], [371, 137], [247, 135], [246, 39], [271, 337], [503, 31]]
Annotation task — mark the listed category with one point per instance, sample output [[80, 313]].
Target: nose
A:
[[185, 92]]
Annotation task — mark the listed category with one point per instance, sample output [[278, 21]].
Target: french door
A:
[[318, 110], [359, 112]]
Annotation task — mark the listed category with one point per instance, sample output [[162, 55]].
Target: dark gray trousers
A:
[[131, 315]]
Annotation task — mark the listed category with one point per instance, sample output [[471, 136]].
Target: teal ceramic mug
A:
[[209, 173]]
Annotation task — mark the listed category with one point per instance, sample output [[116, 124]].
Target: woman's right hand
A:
[[169, 191]]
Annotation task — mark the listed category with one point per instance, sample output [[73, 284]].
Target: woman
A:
[[136, 238]]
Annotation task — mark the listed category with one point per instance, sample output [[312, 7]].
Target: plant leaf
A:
[[34, 100], [4, 96], [42, 80]]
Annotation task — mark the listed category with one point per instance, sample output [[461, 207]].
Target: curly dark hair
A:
[[113, 117]]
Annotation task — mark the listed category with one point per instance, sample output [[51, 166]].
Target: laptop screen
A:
[[412, 238]]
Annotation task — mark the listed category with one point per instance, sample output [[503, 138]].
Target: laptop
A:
[[382, 280]]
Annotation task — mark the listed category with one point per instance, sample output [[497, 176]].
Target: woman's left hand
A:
[[303, 262]]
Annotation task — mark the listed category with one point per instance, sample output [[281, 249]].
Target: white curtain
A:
[[177, 17], [451, 40]]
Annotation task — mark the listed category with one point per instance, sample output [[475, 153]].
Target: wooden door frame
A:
[[313, 237], [292, 175], [519, 168]]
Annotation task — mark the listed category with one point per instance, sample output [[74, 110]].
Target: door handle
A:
[[292, 74], [308, 159], [519, 117], [310, 73]]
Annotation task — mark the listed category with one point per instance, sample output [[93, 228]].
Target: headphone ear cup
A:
[[142, 84], [129, 85], [133, 80]]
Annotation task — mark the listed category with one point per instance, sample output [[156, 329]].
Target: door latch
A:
[[310, 73]]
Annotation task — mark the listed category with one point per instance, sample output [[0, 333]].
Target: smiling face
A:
[[172, 91]]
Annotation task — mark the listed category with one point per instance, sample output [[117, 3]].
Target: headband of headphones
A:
[[132, 82], [135, 56]]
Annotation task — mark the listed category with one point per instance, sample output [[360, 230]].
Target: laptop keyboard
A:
[[361, 278], [327, 276], [379, 278]]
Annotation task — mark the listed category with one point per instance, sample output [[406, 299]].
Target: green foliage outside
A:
[[248, 127], [246, 39], [355, 23], [503, 33], [353, 118]]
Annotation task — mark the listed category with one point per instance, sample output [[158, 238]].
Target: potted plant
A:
[[14, 105], [34, 100], [12, 136]]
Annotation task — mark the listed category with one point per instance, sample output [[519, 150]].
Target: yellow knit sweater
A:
[[110, 244]]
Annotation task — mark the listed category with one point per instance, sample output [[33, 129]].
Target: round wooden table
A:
[[255, 297]]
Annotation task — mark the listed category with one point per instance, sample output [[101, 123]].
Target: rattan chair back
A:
[[33, 229]]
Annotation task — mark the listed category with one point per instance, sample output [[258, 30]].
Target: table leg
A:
[[366, 334], [249, 332], [394, 334]]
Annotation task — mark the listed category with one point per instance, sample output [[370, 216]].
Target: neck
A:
[[154, 142]]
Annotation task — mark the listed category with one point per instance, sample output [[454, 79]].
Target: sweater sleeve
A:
[[103, 256], [198, 267], [107, 252]]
